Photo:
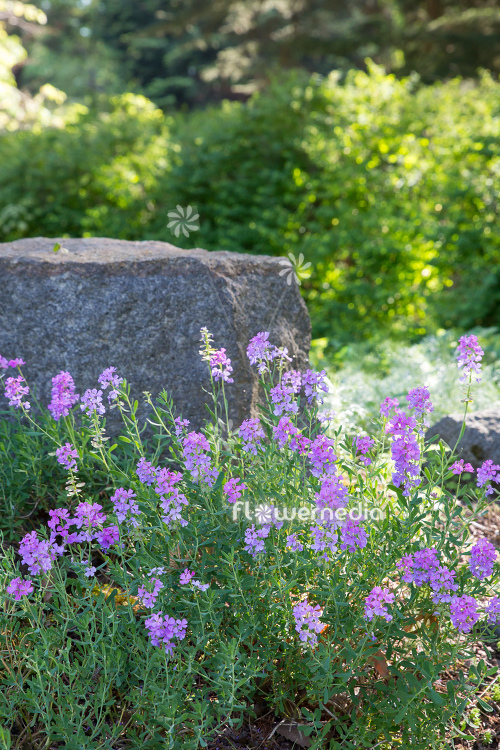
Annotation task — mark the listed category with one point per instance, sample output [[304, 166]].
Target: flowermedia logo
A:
[[183, 220], [265, 514], [294, 269]]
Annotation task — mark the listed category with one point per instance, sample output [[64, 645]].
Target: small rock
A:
[[481, 439]]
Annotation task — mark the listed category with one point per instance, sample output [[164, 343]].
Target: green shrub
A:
[[91, 177], [251, 543], [389, 188]]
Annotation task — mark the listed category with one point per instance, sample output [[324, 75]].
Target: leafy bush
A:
[[91, 177], [234, 567], [387, 187]]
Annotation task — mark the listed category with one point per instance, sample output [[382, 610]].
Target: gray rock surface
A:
[[139, 306], [481, 439]]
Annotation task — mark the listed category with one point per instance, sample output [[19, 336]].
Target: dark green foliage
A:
[[388, 188], [194, 51]]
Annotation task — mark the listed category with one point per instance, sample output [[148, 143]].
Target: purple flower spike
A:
[[463, 613], [469, 355], [419, 399], [15, 390], [220, 366], [374, 603], [63, 395], [125, 507], [307, 622], [147, 597], [66, 456], [387, 406], [146, 472], [37, 555], [163, 630], [251, 434], [482, 559], [493, 610], [92, 402], [314, 382], [108, 377], [364, 444], [488, 473]]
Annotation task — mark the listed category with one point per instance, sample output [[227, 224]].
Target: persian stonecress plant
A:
[[197, 573]]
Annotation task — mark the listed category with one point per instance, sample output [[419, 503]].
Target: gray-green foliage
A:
[[78, 670]]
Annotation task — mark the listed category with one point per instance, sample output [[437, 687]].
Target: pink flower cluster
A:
[[92, 402], [4, 364], [493, 610], [63, 395], [388, 405], [88, 517], [322, 456], [314, 382], [187, 578], [419, 399], [282, 397], [233, 489], [405, 451], [146, 472], [37, 554], [19, 588], [148, 597], [423, 567], [254, 539], [332, 495], [352, 535], [459, 466], [162, 629], [488, 472], [307, 622], [293, 542], [325, 540], [180, 426], [260, 352]]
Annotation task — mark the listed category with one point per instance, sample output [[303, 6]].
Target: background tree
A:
[[196, 51]]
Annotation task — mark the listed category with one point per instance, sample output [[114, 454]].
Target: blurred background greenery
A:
[[362, 134]]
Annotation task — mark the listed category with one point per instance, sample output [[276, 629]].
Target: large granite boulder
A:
[[139, 306], [481, 439]]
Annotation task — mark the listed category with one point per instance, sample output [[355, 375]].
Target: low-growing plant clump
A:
[[330, 578]]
